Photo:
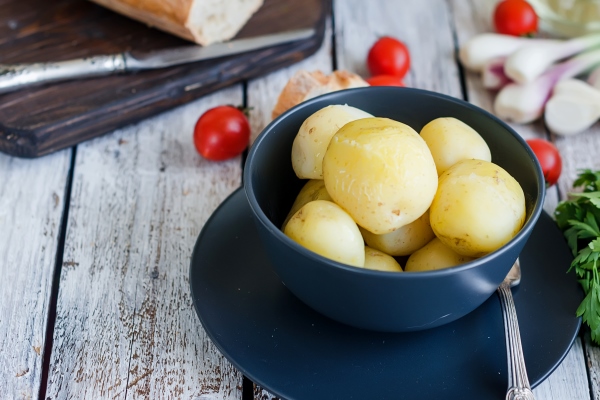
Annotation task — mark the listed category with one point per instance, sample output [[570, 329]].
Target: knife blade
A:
[[16, 76]]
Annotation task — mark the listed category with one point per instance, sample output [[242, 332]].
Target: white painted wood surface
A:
[[262, 93], [592, 357], [471, 18], [125, 325], [32, 196], [358, 24], [569, 381], [578, 152]]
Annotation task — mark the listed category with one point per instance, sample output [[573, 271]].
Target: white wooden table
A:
[[95, 241]]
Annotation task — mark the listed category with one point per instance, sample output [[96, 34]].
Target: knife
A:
[[16, 76]]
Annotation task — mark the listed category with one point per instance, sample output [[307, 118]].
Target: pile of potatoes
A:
[[378, 192]]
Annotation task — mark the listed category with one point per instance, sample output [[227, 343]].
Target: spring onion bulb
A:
[[528, 62], [573, 107], [523, 103], [484, 47], [492, 74]]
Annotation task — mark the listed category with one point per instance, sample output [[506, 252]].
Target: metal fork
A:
[[518, 383]]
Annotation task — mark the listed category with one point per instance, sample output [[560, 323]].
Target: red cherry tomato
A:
[[515, 17], [549, 158], [388, 56], [222, 132], [385, 80]]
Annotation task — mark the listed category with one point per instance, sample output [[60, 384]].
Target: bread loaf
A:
[[201, 21], [305, 85]]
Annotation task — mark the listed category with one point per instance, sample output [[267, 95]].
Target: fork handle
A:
[[518, 383]]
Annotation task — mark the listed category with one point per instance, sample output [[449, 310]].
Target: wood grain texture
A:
[[359, 24], [472, 17], [569, 380], [592, 358], [126, 326], [32, 202], [578, 152], [36, 121], [262, 93]]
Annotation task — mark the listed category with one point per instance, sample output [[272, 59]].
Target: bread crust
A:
[[304, 85], [172, 16]]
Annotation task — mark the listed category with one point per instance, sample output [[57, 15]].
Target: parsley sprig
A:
[[579, 219]]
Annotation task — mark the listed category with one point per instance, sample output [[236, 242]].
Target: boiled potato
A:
[[478, 207], [312, 190], [381, 172], [451, 140], [404, 240], [314, 135], [434, 255], [378, 260], [325, 228]]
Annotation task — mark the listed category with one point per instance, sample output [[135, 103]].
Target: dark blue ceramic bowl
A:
[[377, 300]]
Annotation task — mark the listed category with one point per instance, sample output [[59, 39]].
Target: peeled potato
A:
[[404, 240], [378, 260], [325, 228], [451, 140], [434, 255], [312, 190], [314, 135], [381, 172], [478, 208]]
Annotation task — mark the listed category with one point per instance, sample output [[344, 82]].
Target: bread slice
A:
[[305, 85], [201, 21]]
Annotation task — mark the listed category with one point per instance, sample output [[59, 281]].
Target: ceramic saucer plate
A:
[[296, 353]]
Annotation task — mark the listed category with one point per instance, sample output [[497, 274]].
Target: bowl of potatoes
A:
[[392, 209]]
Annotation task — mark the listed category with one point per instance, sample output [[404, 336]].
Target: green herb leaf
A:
[[579, 219], [588, 179], [583, 229], [592, 197], [564, 212]]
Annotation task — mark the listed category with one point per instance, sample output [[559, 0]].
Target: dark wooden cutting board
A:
[[39, 120]]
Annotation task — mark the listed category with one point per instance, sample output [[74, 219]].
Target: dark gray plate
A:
[[296, 353]]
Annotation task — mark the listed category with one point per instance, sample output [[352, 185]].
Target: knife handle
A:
[[13, 77]]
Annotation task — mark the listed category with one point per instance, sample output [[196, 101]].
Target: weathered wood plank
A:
[[36, 121], [592, 356], [262, 93], [359, 24], [472, 17], [579, 152], [434, 68], [32, 202], [126, 326], [569, 380]]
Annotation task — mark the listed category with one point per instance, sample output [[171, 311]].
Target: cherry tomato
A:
[[222, 132], [388, 56], [515, 17], [549, 158], [385, 80]]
